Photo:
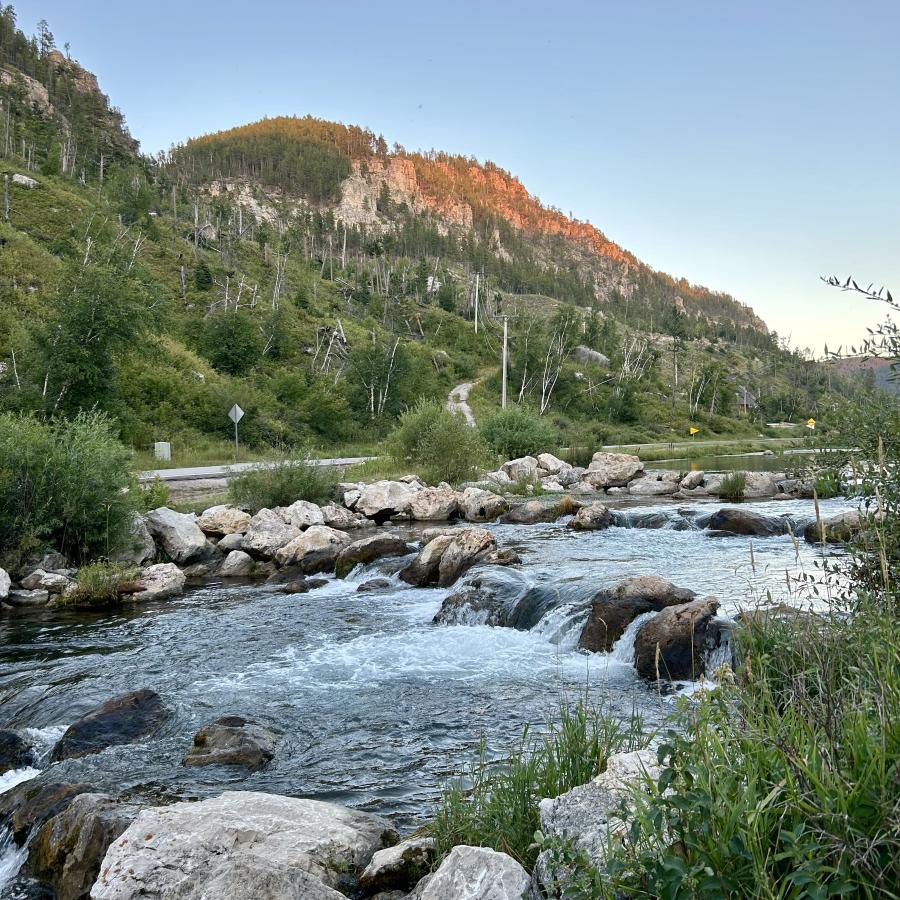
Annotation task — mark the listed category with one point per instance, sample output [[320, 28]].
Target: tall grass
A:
[[734, 484], [290, 478], [784, 784], [497, 805], [100, 584]]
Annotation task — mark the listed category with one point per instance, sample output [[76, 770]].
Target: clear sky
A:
[[750, 147]]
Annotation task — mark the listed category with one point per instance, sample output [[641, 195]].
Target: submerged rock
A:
[[122, 720], [242, 844], [614, 609], [474, 873], [367, 550], [232, 741], [15, 751], [673, 644], [68, 850], [398, 867], [742, 521], [373, 584]]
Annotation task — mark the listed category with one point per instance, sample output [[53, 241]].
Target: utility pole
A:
[[505, 342], [476, 303], [6, 204]]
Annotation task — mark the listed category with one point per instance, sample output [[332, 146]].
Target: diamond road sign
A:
[[235, 414]]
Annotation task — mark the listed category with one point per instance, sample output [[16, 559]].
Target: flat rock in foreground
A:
[[474, 873], [242, 844]]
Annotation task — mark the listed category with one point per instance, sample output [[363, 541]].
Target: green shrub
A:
[[525, 487], [100, 584], [290, 478], [828, 484], [437, 442], [785, 783], [154, 494], [518, 431], [64, 485], [733, 486], [498, 805]]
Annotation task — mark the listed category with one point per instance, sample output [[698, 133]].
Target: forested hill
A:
[[302, 269], [481, 213]]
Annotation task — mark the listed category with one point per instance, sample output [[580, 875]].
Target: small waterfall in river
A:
[[623, 649], [11, 858]]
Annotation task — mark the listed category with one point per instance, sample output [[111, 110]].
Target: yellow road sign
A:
[[810, 423], [692, 431]]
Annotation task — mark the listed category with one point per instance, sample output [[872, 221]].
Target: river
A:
[[377, 706]]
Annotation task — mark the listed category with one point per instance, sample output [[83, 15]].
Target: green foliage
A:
[[203, 279], [63, 485], [734, 484], [100, 584], [786, 783], [518, 431], [437, 442], [497, 806], [154, 495], [292, 477], [828, 484], [231, 341]]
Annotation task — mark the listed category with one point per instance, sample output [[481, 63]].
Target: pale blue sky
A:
[[748, 146]]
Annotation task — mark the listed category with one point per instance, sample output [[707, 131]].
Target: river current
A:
[[376, 705]]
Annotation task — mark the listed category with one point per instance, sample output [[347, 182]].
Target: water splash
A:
[[623, 649]]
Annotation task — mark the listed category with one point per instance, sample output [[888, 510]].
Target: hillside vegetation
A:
[[301, 269]]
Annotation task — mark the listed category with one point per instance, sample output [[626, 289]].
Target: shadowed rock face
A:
[[367, 550], [27, 805], [68, 850], [613, 610], [14, 751], [122, 720], [743, 521], [673, 643]]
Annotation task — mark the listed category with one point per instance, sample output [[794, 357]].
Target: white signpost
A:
[[235, 414]]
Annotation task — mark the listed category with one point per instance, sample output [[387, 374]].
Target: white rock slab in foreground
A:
[[474, 873], [239, 845]]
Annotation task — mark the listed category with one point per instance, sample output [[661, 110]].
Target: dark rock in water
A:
[[31, 803], [445, 558], [232, 741], [68, 850], [614, 609], [507, 557], [530, 513], [292, 580], [485, 598], [742, 521], [373, 584], [367, 550], [122, 720], [593, 517], [673, 644], [15, 753], [24, 888]]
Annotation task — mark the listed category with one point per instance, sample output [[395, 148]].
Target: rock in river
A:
[[837, 530], [242, 844], [612, 469], [593, 517], [614, 609], [477, 505], [122, 720], [673, 644], [384, 499], [314, 550], [68, 850], [232, 741], [159, 582], [15, 751], [434, 504], [29, 804], [398, 867], [178, 534], [531, 512], [223, 519], [267, 533], [367, 550], [742, 521]]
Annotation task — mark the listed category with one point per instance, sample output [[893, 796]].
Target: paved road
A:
[[196, 473], [458, 401]]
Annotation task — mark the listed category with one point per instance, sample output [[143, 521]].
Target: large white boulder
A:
[[160, 582], [241, 844], [612, 469], [236, 565], [551, 464], [5, 583], [434, 504], [336, 516], [474, 873], [302, 514], [525, 468], [178, 533], [314, 550], [267, 534], [655, 484], [383, 499], [477, 505], [223, 519]]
